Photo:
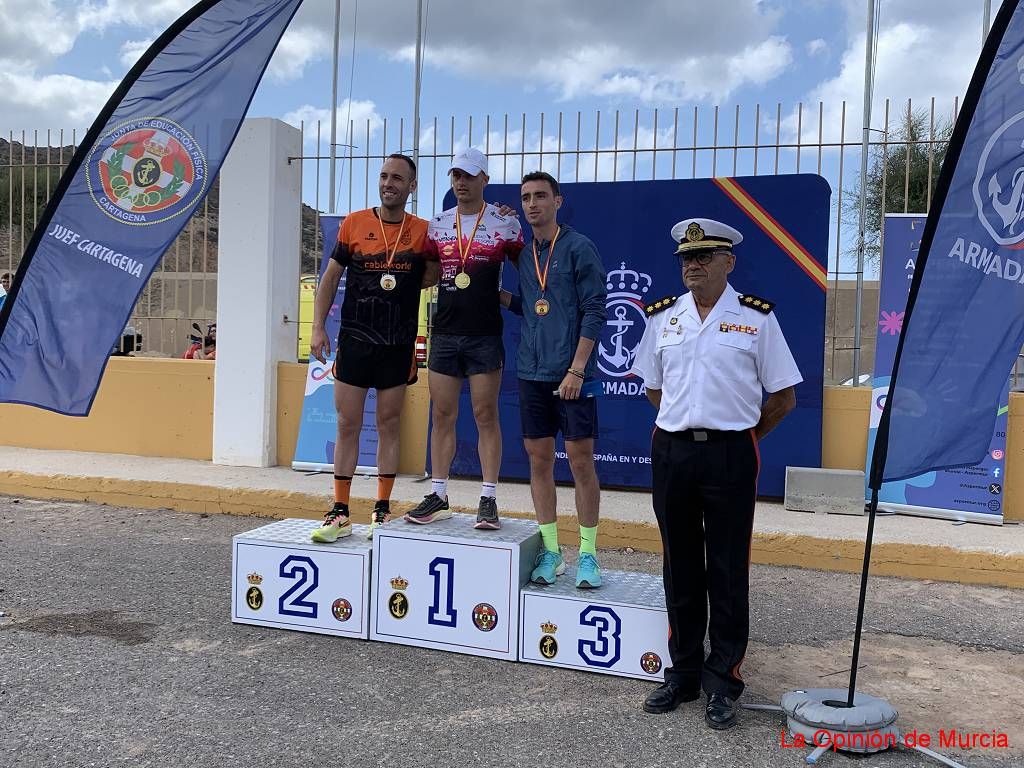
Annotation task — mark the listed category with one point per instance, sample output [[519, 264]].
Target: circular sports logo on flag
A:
[[146, 171]]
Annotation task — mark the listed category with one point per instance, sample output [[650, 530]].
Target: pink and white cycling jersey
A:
[[473, 310]]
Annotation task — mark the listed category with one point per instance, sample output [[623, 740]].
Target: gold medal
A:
[[462, 279], [387, 280], [541, 307]]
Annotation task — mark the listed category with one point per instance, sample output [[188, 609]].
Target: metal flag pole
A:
[[334, 103], [869, 78], [416, 97], [986, 21]]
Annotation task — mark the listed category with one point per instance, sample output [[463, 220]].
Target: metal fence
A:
[[577, 147]]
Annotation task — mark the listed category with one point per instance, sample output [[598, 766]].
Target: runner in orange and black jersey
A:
[[388, 260], [372, 311]]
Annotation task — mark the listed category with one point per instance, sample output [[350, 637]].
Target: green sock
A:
[[549, 533], [588, 540]]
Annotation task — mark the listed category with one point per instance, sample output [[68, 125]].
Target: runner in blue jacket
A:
[[562, 292]]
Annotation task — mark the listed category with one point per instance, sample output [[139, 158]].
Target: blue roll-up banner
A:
[[318, 427], [784, 221], [143, 168], [967, 493]]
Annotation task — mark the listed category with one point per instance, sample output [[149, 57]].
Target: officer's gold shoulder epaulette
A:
[[660, 304], [756, 302]]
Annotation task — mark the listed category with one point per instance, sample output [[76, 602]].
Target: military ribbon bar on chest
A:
[[734, 328]]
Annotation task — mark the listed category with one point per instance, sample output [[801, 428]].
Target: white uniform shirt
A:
[[711, 374]]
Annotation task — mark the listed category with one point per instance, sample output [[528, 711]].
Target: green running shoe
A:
[[381, 516], [336, 526]]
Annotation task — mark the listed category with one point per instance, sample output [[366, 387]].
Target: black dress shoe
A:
[[720, 712], [667, 697]]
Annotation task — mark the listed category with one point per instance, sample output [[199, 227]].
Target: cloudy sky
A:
[[60, 59]]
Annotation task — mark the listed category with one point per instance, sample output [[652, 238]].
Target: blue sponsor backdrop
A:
[[949, 492], [318, 427], [630, 222]]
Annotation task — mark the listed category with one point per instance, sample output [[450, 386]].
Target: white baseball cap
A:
[[472, 161]]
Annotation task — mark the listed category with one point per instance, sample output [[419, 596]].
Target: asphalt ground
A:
[[117, 649]]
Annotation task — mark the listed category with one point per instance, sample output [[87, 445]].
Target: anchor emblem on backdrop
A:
[[1001, 208], [626, 321]]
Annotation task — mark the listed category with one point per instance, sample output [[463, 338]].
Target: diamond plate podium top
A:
[[460, 527], [643, 590], [297, 531]]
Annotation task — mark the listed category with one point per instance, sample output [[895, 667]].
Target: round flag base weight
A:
[[820, 719]]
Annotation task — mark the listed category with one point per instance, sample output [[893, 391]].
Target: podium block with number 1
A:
[[451, 587]]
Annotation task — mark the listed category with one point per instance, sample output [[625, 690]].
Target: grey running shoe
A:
[[431, 509], [487, 515]]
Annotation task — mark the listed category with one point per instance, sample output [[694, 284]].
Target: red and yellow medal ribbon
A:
[[464, 252], [388, 250], [543, 278]]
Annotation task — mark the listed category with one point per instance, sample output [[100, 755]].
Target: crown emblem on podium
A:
[[156, 149], [399, 584], [629, 280], [255, 579], [548, 628]]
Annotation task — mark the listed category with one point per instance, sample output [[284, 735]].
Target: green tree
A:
[[902, 176]]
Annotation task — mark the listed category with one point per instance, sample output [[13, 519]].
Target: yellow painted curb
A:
[[913, 561]]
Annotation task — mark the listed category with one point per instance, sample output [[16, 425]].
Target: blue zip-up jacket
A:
[[576, 291]]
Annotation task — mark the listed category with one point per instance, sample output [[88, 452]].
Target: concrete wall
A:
[[145, 406], [156, 407]]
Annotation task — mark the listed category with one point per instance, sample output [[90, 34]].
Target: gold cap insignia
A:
[[694, 233]]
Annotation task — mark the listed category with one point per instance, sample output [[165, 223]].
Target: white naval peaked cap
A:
[[703, 234], [472, 161]]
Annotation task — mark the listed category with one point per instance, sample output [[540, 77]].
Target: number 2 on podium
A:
[[305, 570], [442, 613]]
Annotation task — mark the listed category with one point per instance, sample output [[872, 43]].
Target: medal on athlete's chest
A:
[[542, 306], [388, 281], [462, 280]]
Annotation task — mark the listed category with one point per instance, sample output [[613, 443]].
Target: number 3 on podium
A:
[[442, 613], [605, 650]]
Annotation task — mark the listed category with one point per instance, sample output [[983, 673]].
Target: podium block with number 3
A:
[[279, 578], [451, 587], [619, 629]]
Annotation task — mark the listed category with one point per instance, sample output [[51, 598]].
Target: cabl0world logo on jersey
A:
[[146, 171]]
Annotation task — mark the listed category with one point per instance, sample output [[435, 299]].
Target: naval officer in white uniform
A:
[[706, 358]]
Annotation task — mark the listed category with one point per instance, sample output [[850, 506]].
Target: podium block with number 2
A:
[[281, 579], [451, 587]]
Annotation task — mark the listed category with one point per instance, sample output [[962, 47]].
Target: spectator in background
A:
[[207, 350], [5, 287]]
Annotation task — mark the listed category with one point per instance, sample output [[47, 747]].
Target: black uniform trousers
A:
[[704, 492]]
